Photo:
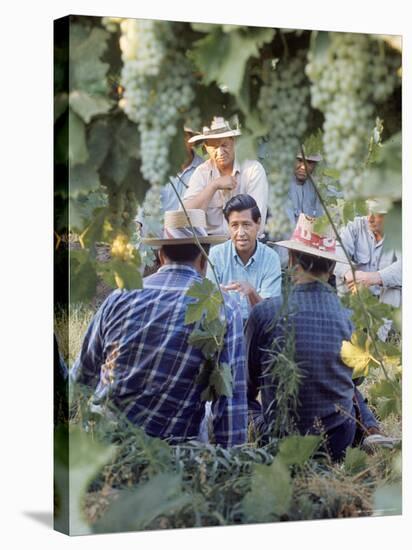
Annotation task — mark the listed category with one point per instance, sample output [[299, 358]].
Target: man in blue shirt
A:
[[136, 352], [302, 197], [326, 397], [244, 266]]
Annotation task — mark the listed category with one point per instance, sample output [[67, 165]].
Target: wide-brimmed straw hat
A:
[[177, 230], [304, 239], [219, 128]]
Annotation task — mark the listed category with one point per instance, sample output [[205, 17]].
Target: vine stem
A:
[[338, 238], [202, 250]]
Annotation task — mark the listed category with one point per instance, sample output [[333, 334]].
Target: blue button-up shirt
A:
[[302, 198], [262, 271], [320, 325], [136, 353], [368, 254], [168, 197]]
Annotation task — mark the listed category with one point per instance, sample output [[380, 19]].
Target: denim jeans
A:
[[340, 438]]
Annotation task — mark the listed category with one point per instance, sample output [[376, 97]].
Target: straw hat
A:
[[219, 128], [177, 230], [305, 240]]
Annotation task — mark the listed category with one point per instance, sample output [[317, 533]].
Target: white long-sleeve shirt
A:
[[251, 179], [368, 254]]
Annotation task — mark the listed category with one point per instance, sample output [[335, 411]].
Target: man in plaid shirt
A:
[[136, 352]]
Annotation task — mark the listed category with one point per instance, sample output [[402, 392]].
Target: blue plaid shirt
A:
[[320, 324], [136, 353]]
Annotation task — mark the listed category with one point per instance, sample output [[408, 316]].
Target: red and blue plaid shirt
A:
[[136, 353]]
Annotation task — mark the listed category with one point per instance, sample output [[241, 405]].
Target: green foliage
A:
[[313, 144], [136, 509], [270, 495], [78, 461], [208, 302], [220, 383], [387, 397], [83, 278], [222, 57], [297, 449], [355, 461], [121, 274], [208, 338]]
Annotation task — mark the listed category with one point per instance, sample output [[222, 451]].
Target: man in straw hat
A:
[[222, 176], [136, 351], [319, 324], [376, 266], [302, 197]]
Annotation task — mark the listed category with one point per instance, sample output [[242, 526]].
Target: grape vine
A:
[[283, 103], [346, 84]]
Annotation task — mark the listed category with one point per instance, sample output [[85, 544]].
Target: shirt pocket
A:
[[362, 258]]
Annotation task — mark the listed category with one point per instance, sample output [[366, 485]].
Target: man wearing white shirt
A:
[[222, 176], [376, 266]]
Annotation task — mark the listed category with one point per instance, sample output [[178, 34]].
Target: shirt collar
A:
[[179, 267], [235, 170], [196, 161], [251, 260]]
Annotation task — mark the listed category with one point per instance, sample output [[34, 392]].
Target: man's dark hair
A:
[[313, 264], [183, 252], [238, 203]]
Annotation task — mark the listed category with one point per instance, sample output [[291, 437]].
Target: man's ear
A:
[[203, 262], [161, 256]]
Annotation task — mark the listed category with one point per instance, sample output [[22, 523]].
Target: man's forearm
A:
[[202, 199]]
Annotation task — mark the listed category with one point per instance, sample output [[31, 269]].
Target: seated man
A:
[[326, 394], [136, 352], [243, 264], [302, 197], [376, 267], [222, 176]]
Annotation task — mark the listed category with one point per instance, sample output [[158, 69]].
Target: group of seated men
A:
[[136, 351]]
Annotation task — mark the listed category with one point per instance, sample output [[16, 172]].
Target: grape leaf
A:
[[222, 380], [78, 153], [271, 492], [87, 71], [208, 337], [78, 460], [208, 302], [297, 449], [87, 105], [120, 274], [83, 179], [355, 460], [137, 508], [83, 278], [355, 356], [222, 57], [387, 395]]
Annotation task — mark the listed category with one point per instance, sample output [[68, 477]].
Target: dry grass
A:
[[70, 329]]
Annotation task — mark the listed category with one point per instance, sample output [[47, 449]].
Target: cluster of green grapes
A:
[[348, 81], [158, 91], [123, 205], [284, 106]]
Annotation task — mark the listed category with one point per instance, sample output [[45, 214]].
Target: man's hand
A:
[[244, 288], [225, 183], [365, 278]]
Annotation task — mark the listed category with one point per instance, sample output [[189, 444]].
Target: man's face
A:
[[300, 170], [376, 223], [221, 151], [243, 231]]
